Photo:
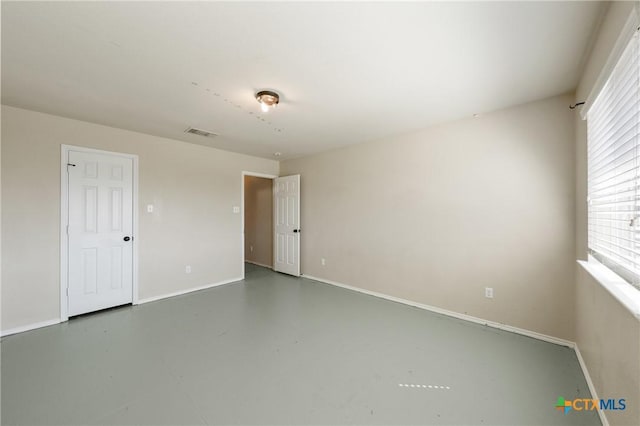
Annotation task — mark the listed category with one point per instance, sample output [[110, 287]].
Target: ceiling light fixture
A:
[[267, 99]]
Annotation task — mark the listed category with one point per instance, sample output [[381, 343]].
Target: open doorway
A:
[[257, 220], [271, 222]]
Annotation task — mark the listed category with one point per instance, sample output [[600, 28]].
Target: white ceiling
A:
[[347, 72]]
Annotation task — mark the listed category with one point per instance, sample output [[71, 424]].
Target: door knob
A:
[[127, 238]]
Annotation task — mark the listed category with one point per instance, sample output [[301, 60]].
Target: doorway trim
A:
[[64, 222], [254, 174]]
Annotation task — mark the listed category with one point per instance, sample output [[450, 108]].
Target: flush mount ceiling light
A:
[[267, 99]]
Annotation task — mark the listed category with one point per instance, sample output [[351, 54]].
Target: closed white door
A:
[[286, 206], [100, 194]]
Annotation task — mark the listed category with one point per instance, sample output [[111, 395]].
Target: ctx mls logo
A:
[[588, 404]]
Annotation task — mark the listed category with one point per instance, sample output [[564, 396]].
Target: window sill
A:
[[621, 290]]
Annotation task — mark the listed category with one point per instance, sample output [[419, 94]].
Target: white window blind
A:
[[613, 125]]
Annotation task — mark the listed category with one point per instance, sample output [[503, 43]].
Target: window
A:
[[613, 126]]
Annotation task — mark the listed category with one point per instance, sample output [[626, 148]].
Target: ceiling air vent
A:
[[200, 132]]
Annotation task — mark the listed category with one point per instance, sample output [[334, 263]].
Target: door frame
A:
[[64, 221], [254, 174]]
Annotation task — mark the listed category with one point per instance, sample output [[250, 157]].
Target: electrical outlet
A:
[[187, 269], [323, 262], [149, 208], [236, 209], [251, 249], [488, 292]]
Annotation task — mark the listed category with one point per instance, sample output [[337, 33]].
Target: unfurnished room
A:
[[320, 213]]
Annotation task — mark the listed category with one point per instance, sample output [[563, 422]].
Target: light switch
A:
[[149, 208], [236, 209]]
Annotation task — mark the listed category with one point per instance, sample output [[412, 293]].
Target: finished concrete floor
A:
[[275, 349]]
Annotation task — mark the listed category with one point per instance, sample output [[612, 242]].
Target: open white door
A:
[[286, 213], [100, 231]]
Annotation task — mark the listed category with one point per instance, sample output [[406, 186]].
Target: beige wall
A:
[[607, 334], [437, 216], [608, 337], [193, 189], [258, 220]]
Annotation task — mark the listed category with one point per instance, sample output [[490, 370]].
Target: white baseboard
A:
[[524, 332], [258, 264], [30, 327], [592, 388], [139, 302], [457, 315], [190, 290], [453, 314]]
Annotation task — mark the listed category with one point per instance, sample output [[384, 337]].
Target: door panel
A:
[[100, 216], [90, 270], [286, 194]]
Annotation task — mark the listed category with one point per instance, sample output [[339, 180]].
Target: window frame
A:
[[629, 35]]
